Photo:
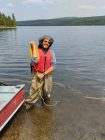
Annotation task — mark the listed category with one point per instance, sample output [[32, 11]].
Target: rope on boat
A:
[[2, 84]]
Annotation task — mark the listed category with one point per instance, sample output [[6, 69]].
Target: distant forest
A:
[[7, 21], [65, 21]]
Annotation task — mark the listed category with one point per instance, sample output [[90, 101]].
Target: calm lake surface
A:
[[80, 70], [80, 53]]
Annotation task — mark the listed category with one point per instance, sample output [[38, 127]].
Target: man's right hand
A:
[[33, 43]]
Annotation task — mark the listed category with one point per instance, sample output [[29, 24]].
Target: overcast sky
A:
[[47, 9]]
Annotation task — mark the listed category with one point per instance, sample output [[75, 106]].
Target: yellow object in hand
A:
[[33, 50]]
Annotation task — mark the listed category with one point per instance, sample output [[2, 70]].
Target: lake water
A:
[[80, 72], [80, 53]]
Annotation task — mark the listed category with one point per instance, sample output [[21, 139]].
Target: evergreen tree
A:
[[14, 20], [7, 21]]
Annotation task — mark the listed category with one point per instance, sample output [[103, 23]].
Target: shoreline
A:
[[7, 27]]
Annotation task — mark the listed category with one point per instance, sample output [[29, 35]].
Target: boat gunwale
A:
[[7, 102]]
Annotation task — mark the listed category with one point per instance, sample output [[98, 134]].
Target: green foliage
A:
[[7, 21]]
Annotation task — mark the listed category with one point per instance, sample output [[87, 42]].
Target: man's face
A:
[[46, 43]]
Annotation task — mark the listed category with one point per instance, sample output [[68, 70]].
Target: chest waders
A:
[[42, 89], [41, 83]]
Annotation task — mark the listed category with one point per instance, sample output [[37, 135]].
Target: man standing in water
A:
[[42, 65]]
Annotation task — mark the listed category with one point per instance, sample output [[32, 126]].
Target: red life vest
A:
[[44, 62]]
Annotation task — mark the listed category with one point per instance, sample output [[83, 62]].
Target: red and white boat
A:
[[11, 99]]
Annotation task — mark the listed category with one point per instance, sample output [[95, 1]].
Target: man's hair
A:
[[45, 37]]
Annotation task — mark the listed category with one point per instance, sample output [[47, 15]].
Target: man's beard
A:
[[45, 49]]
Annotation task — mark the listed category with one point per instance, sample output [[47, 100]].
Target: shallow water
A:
[[74, 117], [79, 83]]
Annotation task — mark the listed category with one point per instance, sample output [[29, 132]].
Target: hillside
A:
[[65, 21]]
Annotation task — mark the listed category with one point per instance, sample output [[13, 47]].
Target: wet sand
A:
[[75, 117]]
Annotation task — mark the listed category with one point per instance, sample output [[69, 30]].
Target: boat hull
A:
[[11, 102]]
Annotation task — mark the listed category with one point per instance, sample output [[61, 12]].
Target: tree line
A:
[[7, 21], [65, 21]]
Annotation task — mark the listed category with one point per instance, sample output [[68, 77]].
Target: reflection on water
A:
[[28, 125], [41, 122], [73, 117], [80, 56], [44, 123], [80, 71]]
